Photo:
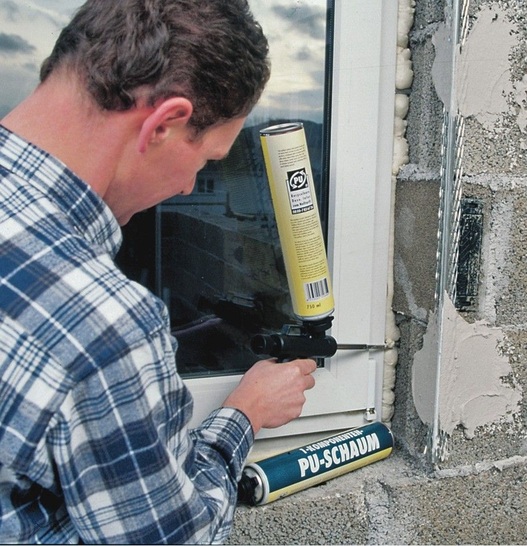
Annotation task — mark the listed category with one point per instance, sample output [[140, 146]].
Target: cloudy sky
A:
[[295, 28]]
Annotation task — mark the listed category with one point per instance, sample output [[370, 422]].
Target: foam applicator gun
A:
[[305, 341], [295, 205]]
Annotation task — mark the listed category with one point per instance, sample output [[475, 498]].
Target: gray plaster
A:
[[494, 169]]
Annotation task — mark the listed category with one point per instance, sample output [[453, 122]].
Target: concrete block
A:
[[416, 226]]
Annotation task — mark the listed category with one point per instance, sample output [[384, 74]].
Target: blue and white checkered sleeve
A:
[[132, 471]]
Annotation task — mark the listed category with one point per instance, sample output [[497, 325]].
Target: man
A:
[[135, 98]]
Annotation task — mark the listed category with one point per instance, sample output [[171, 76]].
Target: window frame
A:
[[348, 389]]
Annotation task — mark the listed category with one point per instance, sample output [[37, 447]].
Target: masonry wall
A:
[[491, 97]]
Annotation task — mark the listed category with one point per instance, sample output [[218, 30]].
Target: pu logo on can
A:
[[297, 180], [299, 192]]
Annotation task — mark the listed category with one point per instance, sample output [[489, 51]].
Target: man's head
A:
[[211, 52]]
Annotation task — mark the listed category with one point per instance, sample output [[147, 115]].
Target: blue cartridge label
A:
[[325, 459]]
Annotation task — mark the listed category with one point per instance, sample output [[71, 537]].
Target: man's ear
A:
[[175, 111]]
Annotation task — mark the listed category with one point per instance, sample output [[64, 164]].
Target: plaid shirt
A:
[[94, 437]]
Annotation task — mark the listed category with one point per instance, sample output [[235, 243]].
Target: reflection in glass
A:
[[218, 263]]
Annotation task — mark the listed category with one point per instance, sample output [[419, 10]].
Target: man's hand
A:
[[272, 394]]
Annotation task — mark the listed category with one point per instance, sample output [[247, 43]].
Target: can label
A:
[[290, 472], [297, 217], [300, 197]]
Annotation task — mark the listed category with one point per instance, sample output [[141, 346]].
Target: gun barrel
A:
[[293, 346]]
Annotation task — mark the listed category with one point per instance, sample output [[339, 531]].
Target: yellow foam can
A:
[[294, 200]]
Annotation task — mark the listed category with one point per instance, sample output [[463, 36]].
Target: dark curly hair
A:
[[212, 52]]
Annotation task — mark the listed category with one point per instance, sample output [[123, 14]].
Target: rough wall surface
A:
[[477, 492], [491, 93], [396, 503]]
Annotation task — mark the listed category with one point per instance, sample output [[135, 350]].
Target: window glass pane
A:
[[219, 265]]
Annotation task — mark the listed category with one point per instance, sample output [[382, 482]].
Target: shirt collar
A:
[[86, 210]]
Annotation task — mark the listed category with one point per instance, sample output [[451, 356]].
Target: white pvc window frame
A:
[[348, 389]]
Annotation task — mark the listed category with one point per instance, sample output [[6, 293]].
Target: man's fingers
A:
[[307, 365]]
